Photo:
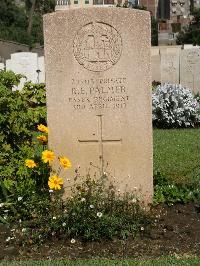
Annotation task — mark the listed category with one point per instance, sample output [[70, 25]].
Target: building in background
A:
[[66, 4], [172, 15], [151, 5]]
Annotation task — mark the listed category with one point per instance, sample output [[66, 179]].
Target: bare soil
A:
[[176, 230]]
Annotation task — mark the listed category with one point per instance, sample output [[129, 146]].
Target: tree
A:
[[13, 22], [191, 34], [38, 8], [154, 31], [31, 12]]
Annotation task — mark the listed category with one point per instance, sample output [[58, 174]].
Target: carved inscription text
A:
[[96, 94]]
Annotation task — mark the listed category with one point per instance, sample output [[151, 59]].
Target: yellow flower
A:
[[55, 182], [30, 163], [43, 128], [42, 138], [48, 156], [65, 162]]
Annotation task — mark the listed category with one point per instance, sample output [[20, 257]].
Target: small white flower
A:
[[6, 211], [134, 200], [1, 205], [20, 198], [73, 240], [23, 230], [5, 217], [142, 228], [92, 206], [20, 220], [99, 214], [8, 239], [63, 224], [39, 236], [50, 191], [54, 218], [83, 200]]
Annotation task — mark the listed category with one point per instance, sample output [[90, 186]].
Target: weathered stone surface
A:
[[41, 69], [99, 94]]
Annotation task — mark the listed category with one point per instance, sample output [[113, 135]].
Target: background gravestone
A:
[[24, 63], [99, 94], [155, 64], [170, 65], [28, 64], [2, 66], [190, 69]]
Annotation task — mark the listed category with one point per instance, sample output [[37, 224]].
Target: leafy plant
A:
[[191, 34], [94, 211], [174, 106], [168, 191], [20, 112]]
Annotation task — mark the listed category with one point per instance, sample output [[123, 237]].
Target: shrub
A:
[[20, 112], [93, 212], [174, 106], [166, 190], [95, 209]]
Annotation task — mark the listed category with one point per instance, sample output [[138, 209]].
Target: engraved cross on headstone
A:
[[100, 141]]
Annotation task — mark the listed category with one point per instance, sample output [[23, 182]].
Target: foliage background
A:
[[15, 21]]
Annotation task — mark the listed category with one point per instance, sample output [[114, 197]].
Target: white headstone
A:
[[189, 46], [2, 66], [190, 69], [170, 65], [26, 64]]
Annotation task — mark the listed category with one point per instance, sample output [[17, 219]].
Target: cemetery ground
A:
[[174, 228]]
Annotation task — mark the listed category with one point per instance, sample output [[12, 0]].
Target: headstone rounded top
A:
[[97, 46]]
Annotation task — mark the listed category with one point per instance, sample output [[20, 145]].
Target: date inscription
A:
[[105, 93]]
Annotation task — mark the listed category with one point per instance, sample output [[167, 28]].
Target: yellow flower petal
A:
[[30, 163], [43, 128], [42, 138], [55, 182], [65, 162], [48, 156]]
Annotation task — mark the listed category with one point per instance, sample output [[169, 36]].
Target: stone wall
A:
[[7, 48]]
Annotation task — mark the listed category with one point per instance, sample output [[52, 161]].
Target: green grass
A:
[[164, 261], [177, 153]]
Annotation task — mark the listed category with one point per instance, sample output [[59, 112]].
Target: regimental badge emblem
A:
[[97, 46]]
